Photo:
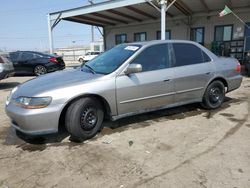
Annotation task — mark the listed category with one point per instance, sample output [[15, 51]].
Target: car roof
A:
[[153, 42], [145, 43], [34, 52]]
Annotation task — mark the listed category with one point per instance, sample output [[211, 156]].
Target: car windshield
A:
[[109, 61]]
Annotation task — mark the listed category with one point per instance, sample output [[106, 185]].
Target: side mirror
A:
[[133, 68]]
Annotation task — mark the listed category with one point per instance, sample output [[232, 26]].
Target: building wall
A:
[[97, 46], [179, 28]]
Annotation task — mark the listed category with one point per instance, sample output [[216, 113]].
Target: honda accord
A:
[[126, 80]]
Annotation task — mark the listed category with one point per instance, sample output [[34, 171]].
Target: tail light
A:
[[238, 68], [53, 60]]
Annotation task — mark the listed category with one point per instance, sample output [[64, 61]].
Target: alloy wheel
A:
[[40, 70]]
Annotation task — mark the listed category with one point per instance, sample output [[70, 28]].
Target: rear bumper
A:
[[234, 82], [6, 74], [51, 67]]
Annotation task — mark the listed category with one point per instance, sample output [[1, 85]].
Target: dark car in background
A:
[[247, 63], [36, 63], [6, 66]]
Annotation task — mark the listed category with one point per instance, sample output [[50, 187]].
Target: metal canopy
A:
[[123, 12], [117, 12]]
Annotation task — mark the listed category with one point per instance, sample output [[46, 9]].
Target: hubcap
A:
[[40, 70], [88, 119], [215, 95]]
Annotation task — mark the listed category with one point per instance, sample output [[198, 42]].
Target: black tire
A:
[[247, 67], [214, 95], [84, 118], [81, 60], [40, 70]]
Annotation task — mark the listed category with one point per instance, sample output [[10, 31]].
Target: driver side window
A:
[[153, 58]]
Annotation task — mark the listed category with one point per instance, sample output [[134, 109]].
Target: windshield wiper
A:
[[90, 68]]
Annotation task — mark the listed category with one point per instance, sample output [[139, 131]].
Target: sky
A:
[[23, 25]]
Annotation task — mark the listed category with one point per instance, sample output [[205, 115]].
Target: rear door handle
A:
[[208, 73], [167, 80]]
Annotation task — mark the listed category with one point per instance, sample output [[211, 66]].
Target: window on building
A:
[[140, 37], [187, 54], [167, 35], [223, 33], [96, 47], [121, 38], [153, 58], [197, 34]]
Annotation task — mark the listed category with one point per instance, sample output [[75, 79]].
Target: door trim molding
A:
[[145, 98], [189, 90], [161, 95]]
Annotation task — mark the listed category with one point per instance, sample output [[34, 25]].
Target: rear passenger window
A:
[[187, 54], [206, 57], [26, 56], [153, 58], [36, 56]]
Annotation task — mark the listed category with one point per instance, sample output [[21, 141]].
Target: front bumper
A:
[[34, 121]]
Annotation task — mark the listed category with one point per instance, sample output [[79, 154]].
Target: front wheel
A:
[[214, 95], [84, 118]]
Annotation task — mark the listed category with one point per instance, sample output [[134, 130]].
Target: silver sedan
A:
[[6, 66], [128, 79]]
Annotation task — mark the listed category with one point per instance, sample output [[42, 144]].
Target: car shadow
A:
[[40, 143], [8, 85], [144, 120]]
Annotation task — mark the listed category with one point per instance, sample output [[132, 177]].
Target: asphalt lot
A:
[[180, 147]]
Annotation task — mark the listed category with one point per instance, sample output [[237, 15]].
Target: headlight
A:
[[32, 102], [10, 95]]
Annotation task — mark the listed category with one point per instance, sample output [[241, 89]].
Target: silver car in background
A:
[[6, 66], [129, 79]]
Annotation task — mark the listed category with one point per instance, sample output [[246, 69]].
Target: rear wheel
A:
[[84, 118], [40, 70], [81, 60], [247, 69], [214, 95]]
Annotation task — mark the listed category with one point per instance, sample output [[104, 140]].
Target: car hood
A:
[[52, 81]]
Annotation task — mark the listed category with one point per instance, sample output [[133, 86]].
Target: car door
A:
[[152, 88], [192, 71], [14, 57], [25, 64]]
